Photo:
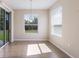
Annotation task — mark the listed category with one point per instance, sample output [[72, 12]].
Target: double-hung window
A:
[[57, 21], [31, 23]]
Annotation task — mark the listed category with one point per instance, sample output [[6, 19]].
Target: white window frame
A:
[[56, 19], [31, 24]]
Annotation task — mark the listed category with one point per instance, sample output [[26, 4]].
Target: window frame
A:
[[55, 15], [33, 15]]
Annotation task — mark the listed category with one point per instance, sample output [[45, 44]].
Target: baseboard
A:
[[4, 45], [30, 40], [61, 49]]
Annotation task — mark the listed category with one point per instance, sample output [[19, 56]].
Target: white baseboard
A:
[[12, 41], [61, 49], [30, 40]]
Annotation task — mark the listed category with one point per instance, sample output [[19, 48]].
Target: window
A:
[[31, 23], [57, 21]]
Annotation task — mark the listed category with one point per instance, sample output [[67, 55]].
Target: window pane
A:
[[57, 21], [31, 23], [58, 30], [2, 27], [57, 16]]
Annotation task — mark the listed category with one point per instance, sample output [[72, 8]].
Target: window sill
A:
[[31, 33], [58, 35]]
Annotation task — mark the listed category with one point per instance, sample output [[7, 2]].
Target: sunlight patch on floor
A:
[[44, 48], [33, 49]]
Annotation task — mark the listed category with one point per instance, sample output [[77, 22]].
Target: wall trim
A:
[[61, 49], [30, 40]]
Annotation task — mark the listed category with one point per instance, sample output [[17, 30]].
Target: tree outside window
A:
[[31, 23]]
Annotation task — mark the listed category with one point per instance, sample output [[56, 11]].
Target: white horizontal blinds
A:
[[57, 21], [57, 16]]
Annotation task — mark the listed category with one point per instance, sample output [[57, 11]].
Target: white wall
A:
[[70, 37], [19, 30]]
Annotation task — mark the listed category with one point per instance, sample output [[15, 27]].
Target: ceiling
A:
[[26, 4]]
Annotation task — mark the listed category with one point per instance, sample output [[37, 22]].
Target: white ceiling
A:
[[26, 4]]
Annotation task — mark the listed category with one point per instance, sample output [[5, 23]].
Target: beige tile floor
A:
[[31, 50]]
